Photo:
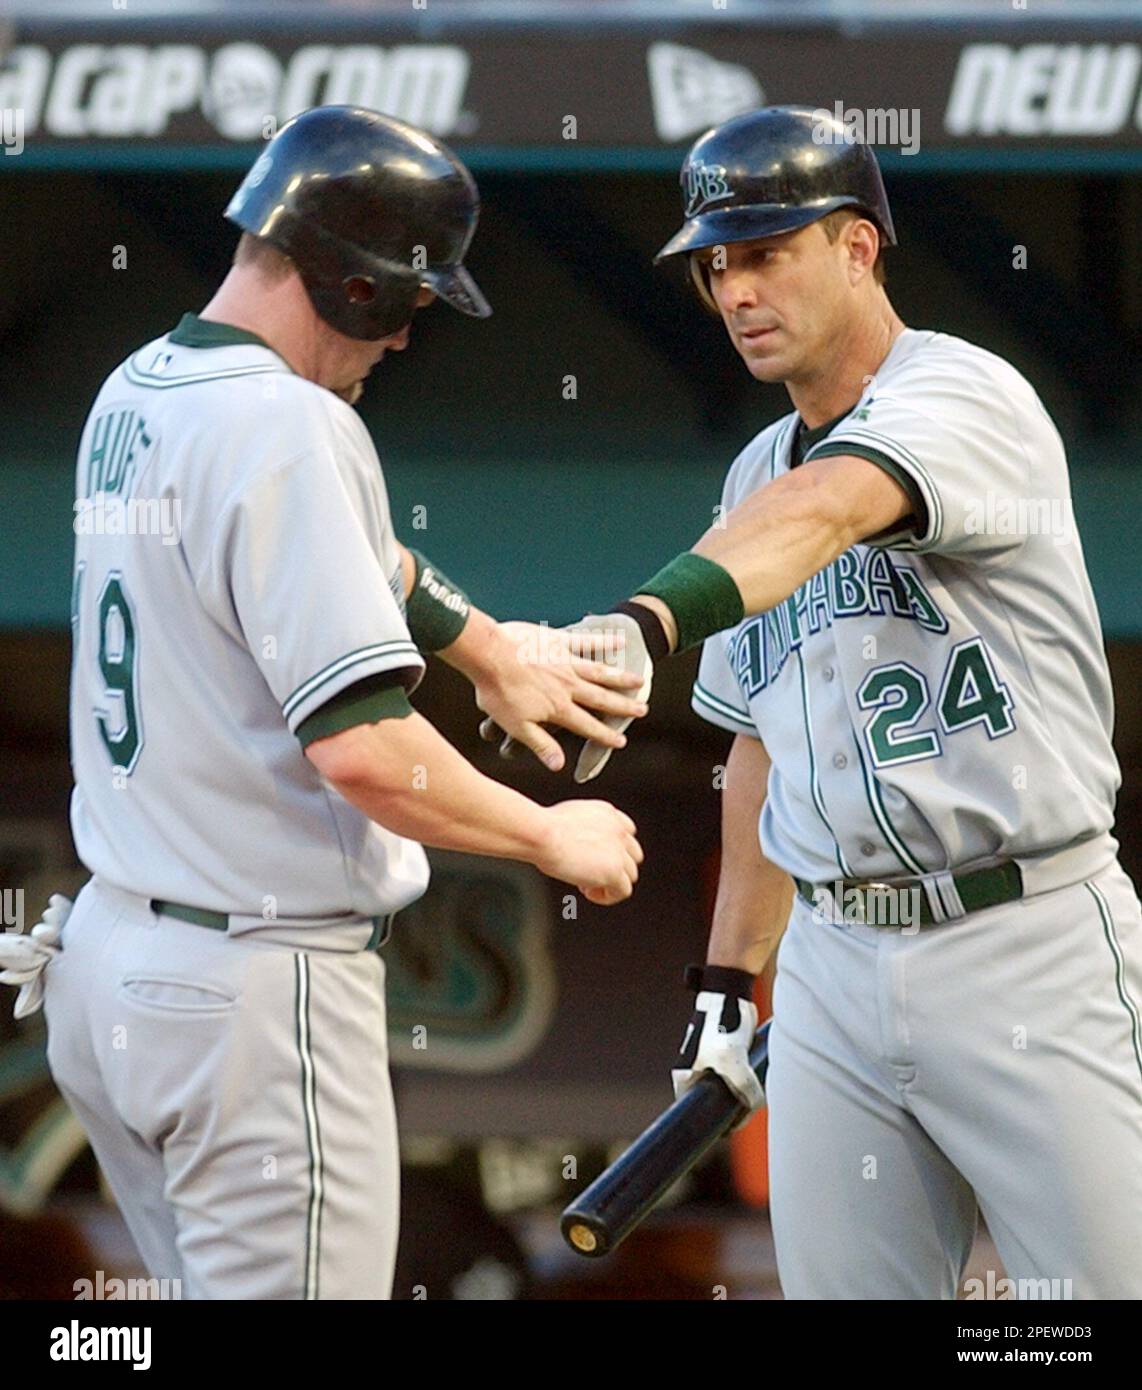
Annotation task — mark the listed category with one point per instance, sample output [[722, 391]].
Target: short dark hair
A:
[[269, 261], [832, 223]]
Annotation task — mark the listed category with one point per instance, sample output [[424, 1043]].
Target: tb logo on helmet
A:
[[702, 184]]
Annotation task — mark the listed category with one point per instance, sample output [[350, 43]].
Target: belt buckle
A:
[[864, 888]]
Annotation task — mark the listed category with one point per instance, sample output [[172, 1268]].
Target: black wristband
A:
[[720, 979], [653, 633]]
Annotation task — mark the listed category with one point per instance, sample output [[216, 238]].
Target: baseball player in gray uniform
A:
[[900, 633], [253, 788]]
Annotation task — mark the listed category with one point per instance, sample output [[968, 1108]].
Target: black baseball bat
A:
[[605, 1213]]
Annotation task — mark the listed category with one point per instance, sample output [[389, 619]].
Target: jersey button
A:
[[839, 760], [868, 849], [828, 673]]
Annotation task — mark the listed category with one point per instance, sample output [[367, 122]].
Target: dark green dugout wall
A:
[[542, 494]]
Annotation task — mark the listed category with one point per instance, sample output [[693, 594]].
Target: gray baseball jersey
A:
[[937, 700], [235, 569], [931, 701], [236, 572]]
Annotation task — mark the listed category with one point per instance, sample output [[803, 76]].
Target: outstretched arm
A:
[[775, 540], [758, 554], [753, 559]]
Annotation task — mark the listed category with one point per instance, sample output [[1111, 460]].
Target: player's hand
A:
[[616, 639], [25, 957], [593, 845], [720, 1033], [560, 676]]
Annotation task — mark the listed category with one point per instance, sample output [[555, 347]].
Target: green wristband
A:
[[700, 593], [437, 609]]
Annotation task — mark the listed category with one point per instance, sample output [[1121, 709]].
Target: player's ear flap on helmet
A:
[[700, 277]]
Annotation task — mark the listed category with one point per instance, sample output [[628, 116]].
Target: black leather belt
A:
[[219, 921], [1003, 883]]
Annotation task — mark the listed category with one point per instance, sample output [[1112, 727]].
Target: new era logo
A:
[[689, 90]]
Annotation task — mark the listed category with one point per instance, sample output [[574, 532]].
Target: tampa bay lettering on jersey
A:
[[860, 581]]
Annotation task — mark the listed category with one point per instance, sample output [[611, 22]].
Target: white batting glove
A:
[[720, 1033], [24, 958], [630, 655]]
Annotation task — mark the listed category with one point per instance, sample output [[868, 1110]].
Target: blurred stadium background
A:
[[560, 452]]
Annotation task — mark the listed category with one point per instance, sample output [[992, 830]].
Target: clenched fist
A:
[[593, 845]]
